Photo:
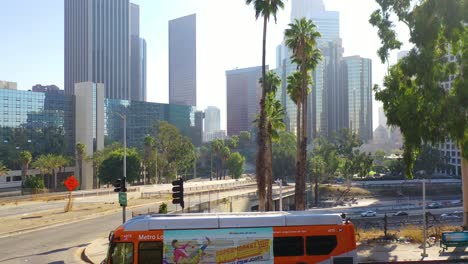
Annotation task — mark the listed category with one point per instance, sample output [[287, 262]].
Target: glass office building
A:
[[36, 121], [28, 119]]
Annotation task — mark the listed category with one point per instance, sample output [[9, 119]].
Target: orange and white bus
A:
[[273, 237]]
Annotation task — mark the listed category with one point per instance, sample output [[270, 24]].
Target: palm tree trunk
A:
[[316, 190], [261, 163], [55, 179], [303, 158], [269, 179], [298, 152]]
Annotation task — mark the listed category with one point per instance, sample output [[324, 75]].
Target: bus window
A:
[[288, 246], [121, 253], [320, 245], [150, 252]]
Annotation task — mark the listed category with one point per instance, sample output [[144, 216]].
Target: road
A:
[[62, 244]]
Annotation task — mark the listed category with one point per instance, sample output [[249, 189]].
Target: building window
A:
[[16, 178], [8, 179]]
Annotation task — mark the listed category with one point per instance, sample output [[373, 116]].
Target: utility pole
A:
[[424, 254], [124, 162]]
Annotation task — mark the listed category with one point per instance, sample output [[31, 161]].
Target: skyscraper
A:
[[358, 78], [212, 119], [183, 61], [137, 57], [97, 45], [243, 96]]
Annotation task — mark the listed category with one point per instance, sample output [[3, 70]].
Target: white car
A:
[[368, 213], [449, 216]]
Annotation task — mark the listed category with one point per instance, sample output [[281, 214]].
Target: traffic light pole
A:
[[124, 163]]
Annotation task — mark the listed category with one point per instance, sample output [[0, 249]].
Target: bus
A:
[[251, 237]]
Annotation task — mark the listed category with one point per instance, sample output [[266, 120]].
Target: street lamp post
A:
[[124, 184], [280, 182]]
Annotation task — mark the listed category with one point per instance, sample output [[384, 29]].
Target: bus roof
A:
[[229, 220]]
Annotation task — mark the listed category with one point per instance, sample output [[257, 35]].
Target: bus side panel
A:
[[319, 243]]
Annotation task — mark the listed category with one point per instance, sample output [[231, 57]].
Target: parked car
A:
[[434, 205], [449, 216], [368, 213], [400, 213]]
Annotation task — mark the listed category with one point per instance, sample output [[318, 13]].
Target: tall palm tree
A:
[[60, 162], [80, 149], [266, 9], [25, 159], [44, 164], [275, 123], [301, 37], [216, 147]]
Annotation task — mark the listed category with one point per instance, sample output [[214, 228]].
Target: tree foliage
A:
[[414, 98], [112, 167], [266, 9], [235, 165], [175, 153], [3, 169], [301, 38], [34, 183], [284, 156]]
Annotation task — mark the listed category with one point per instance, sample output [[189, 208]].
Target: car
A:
[[400, 213], [449, 216], [368, 213], [434, 205]]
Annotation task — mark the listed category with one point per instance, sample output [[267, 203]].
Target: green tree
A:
[[25, 159], [149, 154], [80, 150], [275, 124], [266, 9], [301, 38], [224, 156], [284, 156], [176, 153], [236, 165], [112, 167], [414, 98], [99, 156], [430, 159], [379, 157], [317, 168]]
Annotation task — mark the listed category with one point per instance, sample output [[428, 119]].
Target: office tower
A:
[[97, 45], [137, 57], [358, 78], [303, 8], [183, 61], [143, 69], [8, 85], [336, 98], [243, 97], [284, 68], [382, 117], [212, 119]]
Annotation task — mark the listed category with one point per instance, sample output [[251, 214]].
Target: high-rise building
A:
[[243, 96], [183, 61], [303, 8], [137, 57], [143, 69], [97, 45], [212, 119], [8, 85], [358, 79]]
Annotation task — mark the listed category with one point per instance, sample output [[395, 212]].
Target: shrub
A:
[[34, 183], [163, 208]]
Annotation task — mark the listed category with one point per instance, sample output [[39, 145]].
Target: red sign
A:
[[71, 183]]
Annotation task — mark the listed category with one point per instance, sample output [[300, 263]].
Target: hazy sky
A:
[[228, 36]]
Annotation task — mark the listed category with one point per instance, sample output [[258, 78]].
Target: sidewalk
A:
[[95, 252]]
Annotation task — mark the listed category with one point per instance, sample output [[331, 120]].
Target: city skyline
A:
[[237, 43]]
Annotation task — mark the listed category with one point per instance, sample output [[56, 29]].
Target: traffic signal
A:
[[178, 192], [119, 185]]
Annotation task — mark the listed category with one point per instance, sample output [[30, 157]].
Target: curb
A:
[[87, 256]]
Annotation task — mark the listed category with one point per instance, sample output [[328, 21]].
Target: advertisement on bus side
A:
[[233, 246]]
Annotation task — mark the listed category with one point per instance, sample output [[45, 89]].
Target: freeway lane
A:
[[61, 244]]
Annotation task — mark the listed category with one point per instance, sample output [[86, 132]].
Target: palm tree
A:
[[60, 162], [301, 38], [225, 154], [3, 169], [216, 147], [275, 123], [265, 8], [43, 164], [25, 159], [80, 155]]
